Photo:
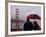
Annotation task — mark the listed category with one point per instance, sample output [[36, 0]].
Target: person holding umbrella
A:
[[36, 26], [28, 25]]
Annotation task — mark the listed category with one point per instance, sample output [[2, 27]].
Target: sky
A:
[[24, 11]]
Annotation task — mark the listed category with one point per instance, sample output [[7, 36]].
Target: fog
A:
[[24, 11]]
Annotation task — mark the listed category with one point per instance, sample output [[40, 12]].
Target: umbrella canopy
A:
[[33, 16]]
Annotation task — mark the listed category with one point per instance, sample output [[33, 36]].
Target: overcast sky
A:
[[24, 11]]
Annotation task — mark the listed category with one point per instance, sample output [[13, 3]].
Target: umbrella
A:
[[33, 16]]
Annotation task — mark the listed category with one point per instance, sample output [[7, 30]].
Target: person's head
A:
[[27, 19], [35, 22]]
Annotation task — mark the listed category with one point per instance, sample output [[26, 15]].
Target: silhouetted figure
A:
[[36, 26], [28, 25]]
